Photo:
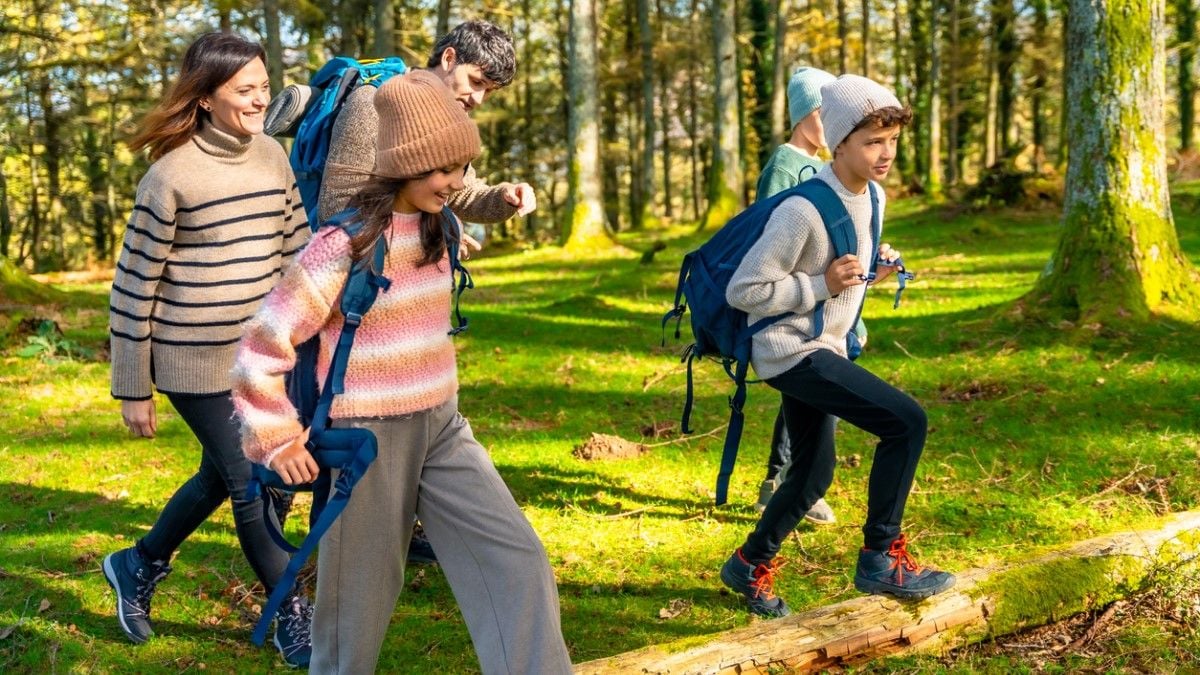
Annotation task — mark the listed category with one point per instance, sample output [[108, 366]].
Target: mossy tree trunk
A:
[[725, 174], [1119, 256], [585, 227]]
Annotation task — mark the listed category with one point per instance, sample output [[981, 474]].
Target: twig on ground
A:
[[906, 352], [689, 437], [1094, 629]]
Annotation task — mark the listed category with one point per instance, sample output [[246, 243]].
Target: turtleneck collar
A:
[[221, 145]]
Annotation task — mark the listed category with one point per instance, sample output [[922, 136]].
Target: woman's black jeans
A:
[[223, 474], [825, 384]]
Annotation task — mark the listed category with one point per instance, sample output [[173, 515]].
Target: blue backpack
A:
[[332, 84], [351, 451], [721, 331]]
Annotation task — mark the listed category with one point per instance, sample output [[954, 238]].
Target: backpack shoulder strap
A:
[[363, 284], [460, 278]]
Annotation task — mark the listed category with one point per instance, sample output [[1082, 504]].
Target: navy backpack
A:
[[723, 332], [350, 451]]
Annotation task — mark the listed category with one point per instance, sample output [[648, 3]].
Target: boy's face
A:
[[869, 152], [465, 80]]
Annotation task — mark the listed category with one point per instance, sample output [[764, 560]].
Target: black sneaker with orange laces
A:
[[755, 583], [895, 572]]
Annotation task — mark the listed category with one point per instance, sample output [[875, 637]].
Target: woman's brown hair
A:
[[210, 61], [374, 210]]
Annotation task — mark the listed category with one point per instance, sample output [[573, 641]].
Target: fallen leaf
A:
[[43, 605], [6, 631], [674, 608]]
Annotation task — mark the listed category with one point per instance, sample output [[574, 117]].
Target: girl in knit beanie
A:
[[216, 217], [401, 384]]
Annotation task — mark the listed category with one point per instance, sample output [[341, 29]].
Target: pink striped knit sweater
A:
[[403, 358]]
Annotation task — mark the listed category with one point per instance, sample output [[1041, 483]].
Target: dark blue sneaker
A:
[[895, 572], [755, 583], [134, 581], [293, 631], [420, 551]]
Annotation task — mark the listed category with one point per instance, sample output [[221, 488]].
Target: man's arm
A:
[[479, 202], [351, 155]]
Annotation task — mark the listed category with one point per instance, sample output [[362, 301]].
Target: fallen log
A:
[[984, 603]]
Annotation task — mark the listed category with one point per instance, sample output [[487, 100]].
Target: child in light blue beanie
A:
[[791, 163], [799, 155]]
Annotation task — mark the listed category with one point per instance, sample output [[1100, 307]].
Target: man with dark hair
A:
[[474, 60]]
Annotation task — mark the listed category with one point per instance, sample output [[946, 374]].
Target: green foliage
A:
[[49, 344]]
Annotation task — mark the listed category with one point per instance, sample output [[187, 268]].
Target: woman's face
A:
[[239, 106], [429, 193]]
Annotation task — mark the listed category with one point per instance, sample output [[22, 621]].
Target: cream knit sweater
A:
[[785, 272]]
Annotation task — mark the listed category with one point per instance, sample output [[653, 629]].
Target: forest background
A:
[[670, 91]]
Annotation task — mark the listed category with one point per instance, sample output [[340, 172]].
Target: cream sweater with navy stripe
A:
[[215, 221], [785, 272]]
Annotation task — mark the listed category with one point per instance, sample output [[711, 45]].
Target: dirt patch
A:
[[975, 390], [604, 446]]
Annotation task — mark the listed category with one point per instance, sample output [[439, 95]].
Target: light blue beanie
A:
[[804, 92]]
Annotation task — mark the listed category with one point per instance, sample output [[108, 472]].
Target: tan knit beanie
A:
[[421, 127]]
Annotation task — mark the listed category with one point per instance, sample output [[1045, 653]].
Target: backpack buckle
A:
[[354, 318]]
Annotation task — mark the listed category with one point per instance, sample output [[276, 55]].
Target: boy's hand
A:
[[888, 257], [843, 273], [295, 464]]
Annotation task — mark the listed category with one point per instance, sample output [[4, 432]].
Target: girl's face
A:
[[430, 192], [239, 105]]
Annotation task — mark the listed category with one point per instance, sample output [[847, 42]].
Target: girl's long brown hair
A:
[[210, 62], [374, 210]]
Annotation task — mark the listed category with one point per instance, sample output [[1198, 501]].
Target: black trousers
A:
[[826, 385], [223, 474]]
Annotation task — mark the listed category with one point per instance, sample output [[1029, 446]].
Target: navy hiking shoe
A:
[[420, 551], [895, 572], [755, 583], [134, 581], [293, 631]]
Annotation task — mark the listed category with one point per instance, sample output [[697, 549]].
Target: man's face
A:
[[870, 151], [471, 88]]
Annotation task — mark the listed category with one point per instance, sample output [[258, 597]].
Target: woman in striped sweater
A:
[[217, 218], [401, 383]]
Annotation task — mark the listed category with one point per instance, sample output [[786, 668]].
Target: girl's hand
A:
[[139, 417], [295, 464], [843, 273]]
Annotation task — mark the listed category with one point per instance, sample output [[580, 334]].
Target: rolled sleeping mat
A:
[[288, 108]]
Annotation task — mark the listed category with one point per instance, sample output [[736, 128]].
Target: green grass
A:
[[1031, 426]]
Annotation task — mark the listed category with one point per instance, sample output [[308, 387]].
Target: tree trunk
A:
[[1007, 51], [693, 115], [954, 169], [274, 44], [780, 127], [904, 154], [933, 183], [843, 32], [1037, 98], [527, 115], [984, 604], [585, 228], [1119, 254], [919, 13], [385, 29], [6, 224], [1185, 32], [664, 111], [866, 38], [635, 112], [725, 174], [443, 19], [762, 74], [51, 125], [990, 108]]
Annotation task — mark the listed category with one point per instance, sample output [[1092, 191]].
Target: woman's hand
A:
[[295, 464], [139, 417]]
